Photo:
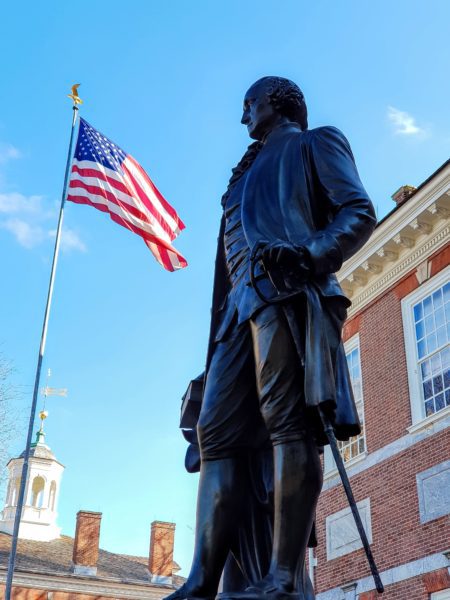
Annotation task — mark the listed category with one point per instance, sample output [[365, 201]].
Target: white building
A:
[[41, 492]]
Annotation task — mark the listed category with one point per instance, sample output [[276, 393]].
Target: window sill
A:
[[353, 461], [429, 421]]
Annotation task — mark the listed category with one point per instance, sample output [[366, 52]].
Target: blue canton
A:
[[94, 146]]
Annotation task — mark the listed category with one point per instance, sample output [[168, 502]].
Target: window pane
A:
[[427, 307], [447, 312], [447, 378], [447, 292], [440, 404], [431, 343], [435, 364], [427, 389], [426, 369], [418, 312], [422, 348], [445, 355], [361, 439], [437, 384], [429, 324], [420, 330], [437, 299], [447, 397], [441, 336], [439, 317], [429, 408]]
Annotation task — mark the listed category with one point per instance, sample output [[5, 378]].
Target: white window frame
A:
[[442, 595], [412, 359], [328, 460]]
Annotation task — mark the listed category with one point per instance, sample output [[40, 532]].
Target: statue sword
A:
[[289, 312]]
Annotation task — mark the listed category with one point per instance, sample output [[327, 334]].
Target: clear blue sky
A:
[[165, 81]]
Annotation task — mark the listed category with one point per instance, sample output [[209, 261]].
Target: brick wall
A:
[[398, 535], [411, 589]]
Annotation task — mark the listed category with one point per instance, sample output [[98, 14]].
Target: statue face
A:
[[259, 115]]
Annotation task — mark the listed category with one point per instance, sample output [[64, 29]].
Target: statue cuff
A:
[[325, 253]]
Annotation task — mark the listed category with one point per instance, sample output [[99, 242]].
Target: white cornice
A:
[[400, 243], [88, 585]]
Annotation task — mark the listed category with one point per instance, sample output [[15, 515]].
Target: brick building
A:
[[397, 345], [51, 566]]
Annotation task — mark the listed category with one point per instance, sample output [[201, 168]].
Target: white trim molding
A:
[[400, 243], [442, 595], [403, 572]]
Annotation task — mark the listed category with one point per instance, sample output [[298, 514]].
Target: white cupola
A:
[[41, 492]]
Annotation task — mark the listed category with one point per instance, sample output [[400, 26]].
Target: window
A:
[[37, 492], [355, 446], [52, 496], [426, 315], [15, 491]]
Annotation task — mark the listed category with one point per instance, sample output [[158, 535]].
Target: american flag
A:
[[105, 177]]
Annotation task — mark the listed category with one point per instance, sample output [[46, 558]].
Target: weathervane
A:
[[74, 95], [51, 391]]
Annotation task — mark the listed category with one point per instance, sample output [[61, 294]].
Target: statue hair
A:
[[287, 98]]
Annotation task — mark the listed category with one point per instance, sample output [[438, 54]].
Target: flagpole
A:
[[23, 479]]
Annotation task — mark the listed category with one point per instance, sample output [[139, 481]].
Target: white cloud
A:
[[31, 219], [26, 234], [8, 152], [14, 203], [403, 122], [69, 240]]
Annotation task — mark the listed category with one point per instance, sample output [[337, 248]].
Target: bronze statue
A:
[[294, 210]]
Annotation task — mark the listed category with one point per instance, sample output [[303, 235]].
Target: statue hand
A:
[[284, 255]]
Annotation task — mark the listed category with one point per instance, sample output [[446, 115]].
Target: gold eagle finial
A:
[[74, 95]]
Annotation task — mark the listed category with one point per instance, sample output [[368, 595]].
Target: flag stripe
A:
[[134, 185], [148, 185], [137, 196], [121, 220], [120, 200], [116, 209], [105, 177], [123, 200], [101, 175]]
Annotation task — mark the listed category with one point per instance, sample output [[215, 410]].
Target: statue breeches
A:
[[254, 389]]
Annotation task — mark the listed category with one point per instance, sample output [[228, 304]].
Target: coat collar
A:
[[280, 131]]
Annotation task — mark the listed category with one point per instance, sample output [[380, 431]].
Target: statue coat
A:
[[304, 188]]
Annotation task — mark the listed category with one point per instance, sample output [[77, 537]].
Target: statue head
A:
[[271, 101]]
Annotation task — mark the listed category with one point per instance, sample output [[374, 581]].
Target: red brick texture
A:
[[440, 260], [161, 548], [87, 535], [398, 535], [411, 589], [20, 593], [437, 581]]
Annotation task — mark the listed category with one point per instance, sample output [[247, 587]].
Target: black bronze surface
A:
[[276, 375]]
